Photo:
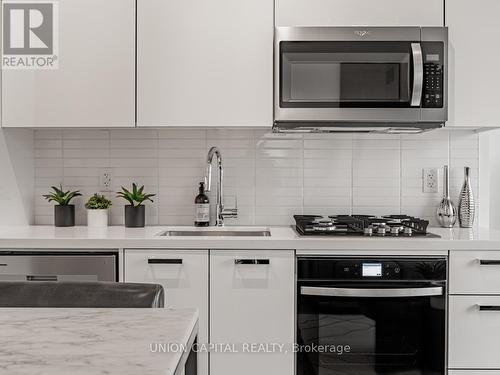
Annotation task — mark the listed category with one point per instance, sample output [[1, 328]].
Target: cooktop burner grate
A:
[[362, 225]]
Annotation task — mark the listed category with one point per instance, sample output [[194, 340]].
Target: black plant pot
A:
[[64, 216], [135, 216]]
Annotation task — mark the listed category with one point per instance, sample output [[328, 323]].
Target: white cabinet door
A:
[[473, 76], [475, 272], [251, 304], [94, 84], [359, 13], [474, 332], [204, 63], [183, 274]]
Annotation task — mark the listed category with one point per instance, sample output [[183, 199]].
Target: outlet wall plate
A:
[[430, 180], [105, 180]]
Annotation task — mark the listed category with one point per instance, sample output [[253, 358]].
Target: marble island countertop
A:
[[93, 341], [115, 237]]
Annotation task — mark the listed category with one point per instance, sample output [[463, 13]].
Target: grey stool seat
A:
[[80, 294]]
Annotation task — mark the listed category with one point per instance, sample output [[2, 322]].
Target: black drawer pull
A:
[[484, 262], [41, 278], [251, 261], [489, 308], [164, 261]]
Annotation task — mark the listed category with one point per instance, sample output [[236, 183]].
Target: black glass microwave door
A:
[[401, 336], [328, 74]]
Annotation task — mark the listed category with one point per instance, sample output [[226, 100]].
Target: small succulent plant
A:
[[61, 197], [97, 202], [135, 197]]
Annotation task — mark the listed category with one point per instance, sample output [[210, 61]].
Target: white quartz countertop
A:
[[92, 341], [116, 237]]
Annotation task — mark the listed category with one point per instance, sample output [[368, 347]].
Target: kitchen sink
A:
[[216, 232]]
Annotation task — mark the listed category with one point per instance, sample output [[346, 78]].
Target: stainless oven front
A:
[[352, 74], [371, 316]]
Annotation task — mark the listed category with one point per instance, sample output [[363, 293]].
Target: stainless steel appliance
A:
[[363, 225], [370, 79], [58, 266], [371, 316]]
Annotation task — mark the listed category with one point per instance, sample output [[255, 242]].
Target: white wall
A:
[[16, 177], [273, 176], [490, 177]]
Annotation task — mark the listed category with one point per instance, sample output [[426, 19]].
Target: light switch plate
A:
[[430, 180]]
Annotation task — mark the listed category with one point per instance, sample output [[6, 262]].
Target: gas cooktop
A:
[[363, 225]]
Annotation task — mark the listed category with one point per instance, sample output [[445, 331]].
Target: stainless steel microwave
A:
[[382, 79]]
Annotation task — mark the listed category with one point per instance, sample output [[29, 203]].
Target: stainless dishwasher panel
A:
[[58, 266]]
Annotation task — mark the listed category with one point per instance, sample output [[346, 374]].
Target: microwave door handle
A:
[[418, 74], [371, 292]]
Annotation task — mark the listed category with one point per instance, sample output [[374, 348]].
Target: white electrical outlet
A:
[[430, 180], [105, 180]]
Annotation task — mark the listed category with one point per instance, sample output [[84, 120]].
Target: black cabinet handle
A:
[[164, 261], [484, 262], [251, 261], [41, 278], [489, 308]]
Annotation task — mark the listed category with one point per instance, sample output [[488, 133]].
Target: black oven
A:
[[371, 316]]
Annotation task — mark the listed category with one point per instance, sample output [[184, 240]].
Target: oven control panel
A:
[[324, 269], [369, 270], [433, 90]]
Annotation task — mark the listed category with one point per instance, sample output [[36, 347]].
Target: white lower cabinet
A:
[[475, 272], [474, 332], [251, 302], [183, 274]]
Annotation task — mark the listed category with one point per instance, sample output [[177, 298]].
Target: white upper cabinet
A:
[[204, 63], [473, 75], [360, 13], [94, 85]]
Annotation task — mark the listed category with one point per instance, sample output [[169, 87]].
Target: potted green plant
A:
[[64, 212], [135, 212], [97, 211]]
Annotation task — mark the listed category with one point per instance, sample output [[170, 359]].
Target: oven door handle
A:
[[371, 293], [418, 74]]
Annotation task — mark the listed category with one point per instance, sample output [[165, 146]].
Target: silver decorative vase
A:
[[466, 204], [446, 212]]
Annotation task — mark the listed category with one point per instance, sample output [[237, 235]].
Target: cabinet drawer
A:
[[475, 272], [474, 332], [252, 302], [183, 274]]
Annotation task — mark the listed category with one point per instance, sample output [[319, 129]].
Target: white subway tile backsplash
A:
[[48, 143], [271, 176], [48, 153]]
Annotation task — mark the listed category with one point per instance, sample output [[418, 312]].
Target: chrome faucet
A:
[[221, 212]]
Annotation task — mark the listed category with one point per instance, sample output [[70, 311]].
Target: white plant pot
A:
[[97, 218]]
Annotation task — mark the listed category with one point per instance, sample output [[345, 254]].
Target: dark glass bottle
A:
[[202, 208]]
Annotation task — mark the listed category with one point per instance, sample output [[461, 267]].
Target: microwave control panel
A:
[[433, 91]]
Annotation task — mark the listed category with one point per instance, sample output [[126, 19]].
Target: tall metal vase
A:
[[446, 212], [466, 204]]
